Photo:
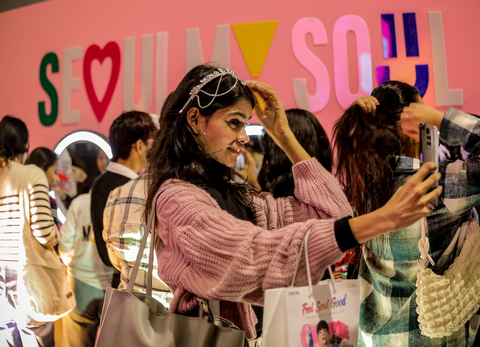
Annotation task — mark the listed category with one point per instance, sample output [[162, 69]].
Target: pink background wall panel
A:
[[27, 34]]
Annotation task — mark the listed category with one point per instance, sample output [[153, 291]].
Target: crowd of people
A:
[[227, 233]]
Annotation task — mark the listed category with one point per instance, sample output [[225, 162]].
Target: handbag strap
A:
[[146, 232], [309, 275], [424, 245], [214, 306]]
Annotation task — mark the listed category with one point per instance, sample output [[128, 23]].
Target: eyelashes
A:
[[235, 123]]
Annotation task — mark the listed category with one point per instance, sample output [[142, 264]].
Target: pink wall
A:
[[28, 33]]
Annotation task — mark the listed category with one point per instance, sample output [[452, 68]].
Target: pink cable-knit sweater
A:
[[210, 254]]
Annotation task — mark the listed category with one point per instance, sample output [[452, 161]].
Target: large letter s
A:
[[312, 63]]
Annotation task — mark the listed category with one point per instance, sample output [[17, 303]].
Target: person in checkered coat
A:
[[377, 147]]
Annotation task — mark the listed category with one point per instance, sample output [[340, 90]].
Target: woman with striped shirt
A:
[[24, 208]]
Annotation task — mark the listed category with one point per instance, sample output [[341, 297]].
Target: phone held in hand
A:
[[429, 151]]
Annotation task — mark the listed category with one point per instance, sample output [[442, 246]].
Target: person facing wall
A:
[[14, 140], [276, 174], [377, 144], [27, 230]]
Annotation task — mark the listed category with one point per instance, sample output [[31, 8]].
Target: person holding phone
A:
[[377, 146], [222, 241]]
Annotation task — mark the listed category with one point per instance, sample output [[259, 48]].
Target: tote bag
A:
[[293, 315], [136, 319], [44, 293]]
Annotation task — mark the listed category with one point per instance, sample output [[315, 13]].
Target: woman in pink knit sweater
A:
[[222, 241]]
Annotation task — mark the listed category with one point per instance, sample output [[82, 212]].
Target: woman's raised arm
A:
[[275, 123]]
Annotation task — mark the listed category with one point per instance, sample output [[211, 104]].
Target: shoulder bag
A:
[[447, 302], [136, 319], [44, 293]]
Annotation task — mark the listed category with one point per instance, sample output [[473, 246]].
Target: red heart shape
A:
[[111, 50]]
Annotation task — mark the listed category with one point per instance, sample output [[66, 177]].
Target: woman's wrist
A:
[[371, 225], [284, 139], [344, 235], [435, 118]]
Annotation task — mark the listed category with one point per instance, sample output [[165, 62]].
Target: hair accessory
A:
[[221, 71]]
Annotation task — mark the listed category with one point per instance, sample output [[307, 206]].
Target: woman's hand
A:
[[367, 103], [405, 207], [275, 123], [273, 117], [249, 172], [417, 113], [410, 202]]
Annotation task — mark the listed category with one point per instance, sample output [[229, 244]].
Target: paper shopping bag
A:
[[326, 318]]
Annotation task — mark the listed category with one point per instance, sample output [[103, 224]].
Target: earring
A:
[[203, 132]]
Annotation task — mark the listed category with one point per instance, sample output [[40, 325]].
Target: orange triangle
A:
[[254, 40]]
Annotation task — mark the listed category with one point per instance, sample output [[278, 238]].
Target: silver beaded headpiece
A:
[[221, 71]]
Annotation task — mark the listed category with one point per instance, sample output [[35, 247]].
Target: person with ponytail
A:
[[24, 208], [218, 240], [377, 149], [276, 174]]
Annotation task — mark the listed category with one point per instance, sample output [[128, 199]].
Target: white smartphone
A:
[[429, 150]]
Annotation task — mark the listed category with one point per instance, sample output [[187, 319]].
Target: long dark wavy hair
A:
[[177, 153], [276, 174], [368, 147]]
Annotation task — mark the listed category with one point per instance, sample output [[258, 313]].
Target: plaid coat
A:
[[123, 231], [388, 314]]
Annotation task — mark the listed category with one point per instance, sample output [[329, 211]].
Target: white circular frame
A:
[[84, 135], [76, 136]]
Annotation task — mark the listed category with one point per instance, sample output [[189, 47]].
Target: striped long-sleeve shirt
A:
[[24, 205]]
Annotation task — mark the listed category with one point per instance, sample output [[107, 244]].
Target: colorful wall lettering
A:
[[79, 65]]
